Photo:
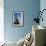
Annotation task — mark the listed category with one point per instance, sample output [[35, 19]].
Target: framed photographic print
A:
[[18, 18]]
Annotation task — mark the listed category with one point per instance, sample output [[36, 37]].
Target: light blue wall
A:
[[30, 7]]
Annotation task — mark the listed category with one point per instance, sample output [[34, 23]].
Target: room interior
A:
[[28, 32]]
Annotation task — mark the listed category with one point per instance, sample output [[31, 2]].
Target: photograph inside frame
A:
[[18, 18]]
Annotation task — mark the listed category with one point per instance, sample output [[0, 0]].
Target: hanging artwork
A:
[[18, 18]]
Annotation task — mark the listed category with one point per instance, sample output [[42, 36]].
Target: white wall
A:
[[1, 21], [43, 6]]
